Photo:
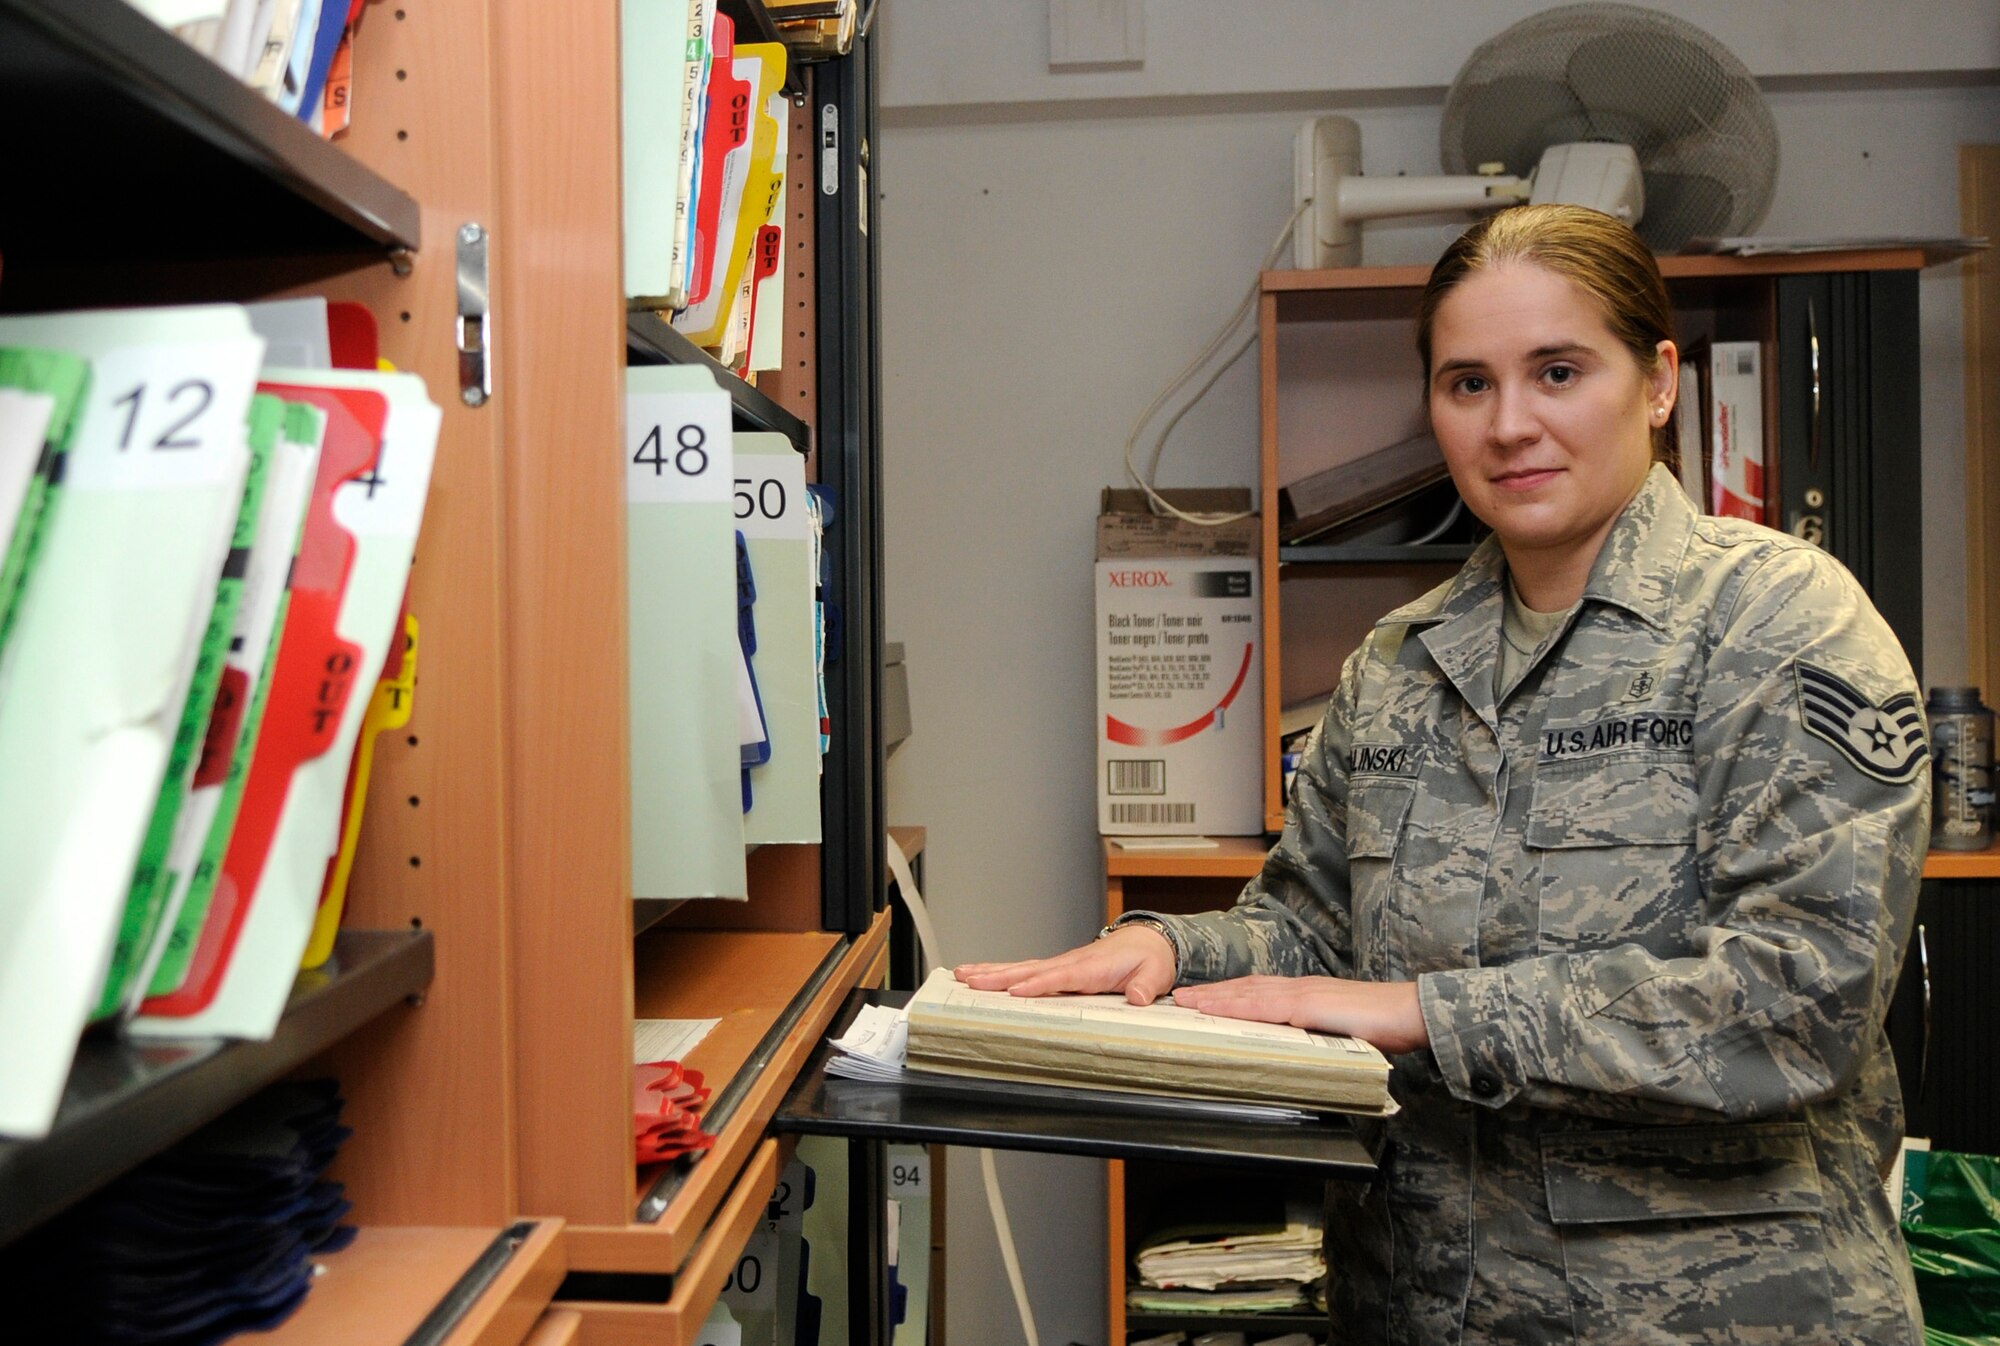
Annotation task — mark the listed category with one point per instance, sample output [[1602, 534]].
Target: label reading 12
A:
[[166, 416], [677, 449]]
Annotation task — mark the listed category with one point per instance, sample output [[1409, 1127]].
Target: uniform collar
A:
[[1634, 570]]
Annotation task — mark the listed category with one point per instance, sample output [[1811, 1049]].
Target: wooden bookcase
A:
[[494, 1108]]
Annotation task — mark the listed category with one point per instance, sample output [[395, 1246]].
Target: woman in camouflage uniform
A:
[[1613, 844]]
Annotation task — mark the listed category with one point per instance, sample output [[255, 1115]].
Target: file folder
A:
[[337, 637], [687, 808], [652, 56], [772, 511], [202, 841], [101, 659]]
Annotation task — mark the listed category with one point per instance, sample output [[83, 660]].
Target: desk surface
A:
[[1030, 1118]]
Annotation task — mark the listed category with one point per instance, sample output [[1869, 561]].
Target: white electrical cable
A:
[[927, 940], [1145, 482]]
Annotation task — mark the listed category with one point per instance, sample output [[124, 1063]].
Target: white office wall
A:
[[1046, 269]]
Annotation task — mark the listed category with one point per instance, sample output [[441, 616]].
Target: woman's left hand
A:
[[1384, 1013]]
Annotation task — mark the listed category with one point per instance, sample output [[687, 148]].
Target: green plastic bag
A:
[[1951, 1220]]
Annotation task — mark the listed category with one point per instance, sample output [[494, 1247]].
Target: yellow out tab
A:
[[388, 709]]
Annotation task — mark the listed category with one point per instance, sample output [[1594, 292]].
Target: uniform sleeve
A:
[[1292, 919], [1813, 819]]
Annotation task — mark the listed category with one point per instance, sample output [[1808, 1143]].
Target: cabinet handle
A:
[[1812, 345], [1924, 967]]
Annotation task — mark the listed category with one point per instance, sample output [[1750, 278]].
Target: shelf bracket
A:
[[475, 365]]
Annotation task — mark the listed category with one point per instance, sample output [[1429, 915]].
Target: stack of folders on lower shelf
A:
[[706, 128], [727, 638], [203, 560], [217, 1236], [1276, 1268], [1101, 1042], [297, 53]]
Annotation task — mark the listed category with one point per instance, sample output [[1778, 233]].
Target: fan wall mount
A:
[[1626, 110]]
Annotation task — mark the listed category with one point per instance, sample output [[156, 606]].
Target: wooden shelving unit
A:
[[431, 1287], [145, 118], [412, 1016], [128, 1099], [496, 848], [1963, 864]]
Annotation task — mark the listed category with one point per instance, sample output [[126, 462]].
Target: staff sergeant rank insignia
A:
[[1885, 741]]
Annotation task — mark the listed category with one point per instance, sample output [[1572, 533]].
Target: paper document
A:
[[103, 654], [687, 781], [667, 1039]]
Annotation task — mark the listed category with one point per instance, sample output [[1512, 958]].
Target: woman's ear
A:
[[1663, 383]]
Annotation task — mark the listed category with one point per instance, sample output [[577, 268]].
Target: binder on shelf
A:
[[337, 636], [1736, 429], [750, 186], [694, 122], [653, 39], [771, 508], [687, 805], [1341, 494], [43, 394], [209, 819], [725, 135], [152, 879], [100, 663]]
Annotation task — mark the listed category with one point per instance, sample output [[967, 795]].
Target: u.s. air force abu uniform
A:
[[1654, 896]]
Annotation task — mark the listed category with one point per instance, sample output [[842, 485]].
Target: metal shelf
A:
[[651, 340], [150, 152], [129, 1099], [1376, 554]]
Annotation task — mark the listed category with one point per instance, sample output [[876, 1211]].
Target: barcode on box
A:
[[1137, 777], [1746, 361], [1152, 815]]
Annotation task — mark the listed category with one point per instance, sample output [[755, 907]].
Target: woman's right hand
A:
[[1135, 959]]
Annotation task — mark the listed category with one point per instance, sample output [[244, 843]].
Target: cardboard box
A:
[[1180, 670]]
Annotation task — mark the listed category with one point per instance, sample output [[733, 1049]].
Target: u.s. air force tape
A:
[[1885, 741]]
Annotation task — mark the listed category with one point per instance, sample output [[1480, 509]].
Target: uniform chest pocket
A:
[[1613, 839], [1706, 1234], [1377, 807]]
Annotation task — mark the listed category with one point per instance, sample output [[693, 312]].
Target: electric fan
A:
[[1636, 113]]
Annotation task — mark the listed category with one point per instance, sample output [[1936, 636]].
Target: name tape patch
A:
[[1382, 759], [1885, 741]]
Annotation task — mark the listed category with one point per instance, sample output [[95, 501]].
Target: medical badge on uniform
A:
[[1885, 741]]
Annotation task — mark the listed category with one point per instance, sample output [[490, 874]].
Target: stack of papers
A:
[[1157, 1050], [876, 1047], [1215, 1259]]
